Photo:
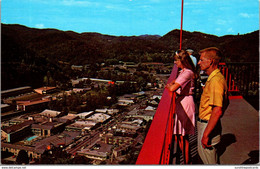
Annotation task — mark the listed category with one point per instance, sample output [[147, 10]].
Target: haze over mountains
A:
[[29, 53]]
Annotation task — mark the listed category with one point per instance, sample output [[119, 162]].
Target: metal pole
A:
[[181, 23]]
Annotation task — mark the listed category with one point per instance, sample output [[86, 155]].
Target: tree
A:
[[81, 160], [22, 157]]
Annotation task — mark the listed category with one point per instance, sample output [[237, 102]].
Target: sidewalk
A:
[[240, 133]]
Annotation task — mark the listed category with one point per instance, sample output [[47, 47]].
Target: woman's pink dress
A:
[[185, 107]]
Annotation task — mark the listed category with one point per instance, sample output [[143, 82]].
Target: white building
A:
[[84, 115], [150, 108], [50, 113], [99, 117], [107, 111], [81, 126], [157, 96]]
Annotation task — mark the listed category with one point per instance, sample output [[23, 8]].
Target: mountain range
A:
[[34, 50]]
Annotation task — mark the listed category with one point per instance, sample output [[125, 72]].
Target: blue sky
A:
[[134, 17]]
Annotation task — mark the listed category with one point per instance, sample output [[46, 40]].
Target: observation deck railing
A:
[[242, 79], [157, 145]]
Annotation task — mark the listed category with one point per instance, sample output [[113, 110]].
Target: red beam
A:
[[155, 144], [181, 23]]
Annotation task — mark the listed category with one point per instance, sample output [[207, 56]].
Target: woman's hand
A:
[[172, 87], [167, 86]]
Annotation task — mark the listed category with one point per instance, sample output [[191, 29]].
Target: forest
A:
[[36, 57]]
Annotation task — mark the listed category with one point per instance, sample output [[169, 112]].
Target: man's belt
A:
[[202, 121]]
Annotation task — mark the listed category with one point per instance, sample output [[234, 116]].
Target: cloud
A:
[[221, 22], [117, 7], [230, 30], [245, 15], [40, 26], [77, 3], [218, 29], [155, 1], [197, 11]]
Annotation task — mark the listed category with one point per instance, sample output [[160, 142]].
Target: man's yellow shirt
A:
[[214, 94]]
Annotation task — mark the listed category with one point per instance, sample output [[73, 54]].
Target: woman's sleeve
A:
[[184, 77]]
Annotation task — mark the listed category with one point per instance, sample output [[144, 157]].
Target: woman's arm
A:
[[169, 84], [172, 82], [173, 87]]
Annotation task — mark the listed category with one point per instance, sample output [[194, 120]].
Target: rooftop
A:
[[51, 113], [17, 127]]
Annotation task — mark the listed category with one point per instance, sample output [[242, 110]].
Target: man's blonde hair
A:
[[212, 53]]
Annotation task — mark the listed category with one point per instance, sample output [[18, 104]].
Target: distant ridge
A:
[[27, 54], [75, 47]]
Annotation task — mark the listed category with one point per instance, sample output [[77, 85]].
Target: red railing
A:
[[230, 81], [157, 145], [242, 78]]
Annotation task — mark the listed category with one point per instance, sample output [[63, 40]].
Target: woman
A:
[[184, 114]]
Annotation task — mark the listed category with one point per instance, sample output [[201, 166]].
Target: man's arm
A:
[[215, 116]]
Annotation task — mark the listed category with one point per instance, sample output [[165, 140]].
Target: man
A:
[[193, 58], [213, 103]]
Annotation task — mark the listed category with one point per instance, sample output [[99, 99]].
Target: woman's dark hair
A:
[[186, 61]]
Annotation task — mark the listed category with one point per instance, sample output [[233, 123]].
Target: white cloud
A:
[[221, 22], [230, 30], [117, 7], [245, 15], [77, 3], [155, 1], [197, 11], [218, 29], [40, 26]]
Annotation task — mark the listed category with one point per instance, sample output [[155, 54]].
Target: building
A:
[[146, 115], [63, 139], [107, 111], [77, 67], [135, 122], [33, 152], [81, 126], [68, 119], [6, 108], [99, 151], [85, 115], [156, 96], [125, 102], [31, 105], [78, 90], [128, 128], [17, 132], [112, 111], [150, 108], [16, 91], [50, 113], [47, 128], [99, 118], [46, 90], [32, 96], [109, 138], [121, 150]]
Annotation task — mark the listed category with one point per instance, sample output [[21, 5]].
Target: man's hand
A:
[[214, 118], [205, 141]]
